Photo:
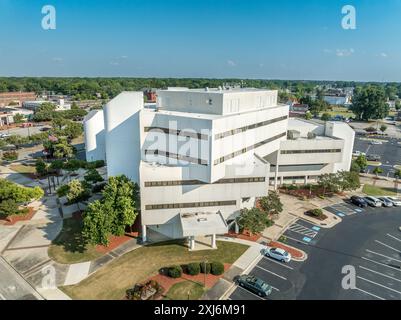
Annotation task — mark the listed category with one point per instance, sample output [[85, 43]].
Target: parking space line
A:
[[395, 238], [250, 293], [386, 245], [293, 239], [382, 274], [371, 294], [382, 255], [380, 263], [275, 274], [281, 264], [378, 284]]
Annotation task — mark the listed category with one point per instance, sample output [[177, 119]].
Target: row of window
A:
[[197, 182], [244, 150], [250, 127], [310, 151], [178, 132], [190, 205], [176, 156]]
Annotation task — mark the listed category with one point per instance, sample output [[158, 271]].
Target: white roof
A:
[[202, 224]]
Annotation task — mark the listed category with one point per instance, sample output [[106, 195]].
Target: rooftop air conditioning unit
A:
[[311, 135], [293, 135]]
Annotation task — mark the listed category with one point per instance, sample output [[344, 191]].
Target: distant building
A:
[[151, 95], [59, 103], [6, 117], [298, 110], [338, 99], [19, 97]]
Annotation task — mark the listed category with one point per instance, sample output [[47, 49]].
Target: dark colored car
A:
[[359, 201], [254, 285]]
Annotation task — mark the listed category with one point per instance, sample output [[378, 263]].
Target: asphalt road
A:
[[367, 241], [390, 152], [13, 286], [23, 131]]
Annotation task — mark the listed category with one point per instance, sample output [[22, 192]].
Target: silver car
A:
[[277, 253], [373, 202], [396, 202]]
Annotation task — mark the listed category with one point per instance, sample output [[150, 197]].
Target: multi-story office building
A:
[[201, 155]]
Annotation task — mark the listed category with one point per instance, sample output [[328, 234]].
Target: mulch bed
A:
[[167, 282], [294, 252], [305, 193], [10, 220], [244, 236]]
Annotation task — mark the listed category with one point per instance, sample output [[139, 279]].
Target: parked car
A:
[[359, 201], [373, 157], [373, 202], [254, 285], [358, 153], [386, 203], [375, 142], [44, 129], [4, 135], [396, 202], [277, 253]]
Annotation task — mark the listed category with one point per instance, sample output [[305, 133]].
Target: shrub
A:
[[205, 267], [8, 207], [10, 155], [95, 164], [98, 187], [217, 268], [175, 272], [193, 269], [63, 190], [283, 239], [316, 212]]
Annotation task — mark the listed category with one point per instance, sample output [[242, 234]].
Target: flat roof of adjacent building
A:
[[203, 223]]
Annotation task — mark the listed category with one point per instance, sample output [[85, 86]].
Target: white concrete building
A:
[[201, 155]]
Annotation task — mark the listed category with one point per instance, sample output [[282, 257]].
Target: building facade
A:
[[202, 155]]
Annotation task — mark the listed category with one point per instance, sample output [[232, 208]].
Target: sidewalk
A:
[[294, 209], [250, 257]]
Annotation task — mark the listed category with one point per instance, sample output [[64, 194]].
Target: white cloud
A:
[[114, 63], [57, 59], [344, 52], [383, 55], [231, 63]]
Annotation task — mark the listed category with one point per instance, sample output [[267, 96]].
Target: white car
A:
[[396, 202], [277, 253], [5, 135], [375, 142], [358, 153], [373, 202]]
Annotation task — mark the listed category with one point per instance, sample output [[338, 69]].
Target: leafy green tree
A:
[[348, 181], [73, 130], [369, 102], [41, 168], [272, 203], [377, 171], [362, 162], [77, 192], [97, 223], [355, 167], [308, 115], [63, 150], [253, 220], [18, 118], [329, 182]]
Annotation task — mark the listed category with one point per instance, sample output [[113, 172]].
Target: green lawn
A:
[[186, 290], [111, 282], [371, 190], [69, 246]]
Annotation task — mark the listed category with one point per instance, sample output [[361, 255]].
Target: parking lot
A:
[[367, 240], [389, 151]]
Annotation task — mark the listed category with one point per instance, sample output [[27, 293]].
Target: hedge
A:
[[208, 267], [193, 269], [217, 268], [175, 272]]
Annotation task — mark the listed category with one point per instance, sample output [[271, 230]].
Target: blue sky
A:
[[271, 39]]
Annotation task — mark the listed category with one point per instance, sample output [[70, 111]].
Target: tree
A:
[[18, 118], [329, 182], [41, 167], [73, 130], [326, 116], [397, 174], [355, 167], [348, 181], [369, 102], [272, 203], [117, 210], [63, 150], [377, 171], [253, 220], [77, 192], [383, 128], [362, 162], [97, 223], [308, 115]]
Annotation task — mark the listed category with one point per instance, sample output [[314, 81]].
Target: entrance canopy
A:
[[203, 223]]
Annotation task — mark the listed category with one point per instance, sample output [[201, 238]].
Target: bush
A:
[[193, 269], [316, 212], [95, 164], [8, 207], [63, 190], [98, 187], [217, 268], [175, 272], [10, 155], [208, 267]]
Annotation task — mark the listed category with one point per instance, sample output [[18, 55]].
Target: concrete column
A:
[[192, 242], [306, 179], [144, 238], [214, 241], [276, 172]]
